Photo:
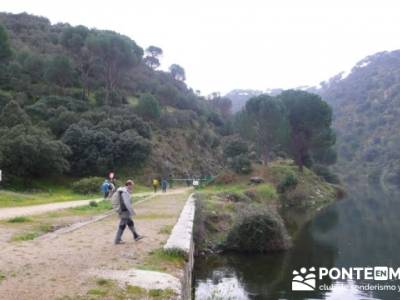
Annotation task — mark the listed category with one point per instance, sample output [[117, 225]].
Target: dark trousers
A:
[[125, 221]]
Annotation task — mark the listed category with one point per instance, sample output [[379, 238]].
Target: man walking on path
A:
[[126, 212]]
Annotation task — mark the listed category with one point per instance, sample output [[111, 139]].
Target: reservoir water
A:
[[362, 230]]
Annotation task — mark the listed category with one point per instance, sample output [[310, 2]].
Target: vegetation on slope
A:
[[366, 106], [82, 101], [234, 215]]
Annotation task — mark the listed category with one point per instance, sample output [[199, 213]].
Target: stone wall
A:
[[181, 239]]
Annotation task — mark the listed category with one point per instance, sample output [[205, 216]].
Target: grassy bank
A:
[[47, 191], [234, 215]]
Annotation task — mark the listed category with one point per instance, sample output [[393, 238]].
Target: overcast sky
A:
[[228, 44]]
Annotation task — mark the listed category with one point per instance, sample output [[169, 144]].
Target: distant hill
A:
[[239, 97], [366, 105]]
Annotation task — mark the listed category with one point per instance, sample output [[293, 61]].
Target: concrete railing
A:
[[181, 239]]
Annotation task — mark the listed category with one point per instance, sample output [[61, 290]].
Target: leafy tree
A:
[[74, 38], [177, 72], [92, 150], [131, 149], [124, 118], [235, 147], [310, 119], [61, 122], [152, 62], [97, 149], [60, 71], [34, 66], [116, 53], [12, 115], [5, 48], [148, 107], [265, 123], [152, 58], [30, 151], [154, 51], [241, 164], [50, 106]]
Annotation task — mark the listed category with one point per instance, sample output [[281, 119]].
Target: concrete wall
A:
[[181, 239]]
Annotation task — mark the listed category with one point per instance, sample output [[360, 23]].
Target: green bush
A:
[[149, 107], [241, 164], [90, 185], [236, 197], [288, 183], [258, 230], [235, 148]]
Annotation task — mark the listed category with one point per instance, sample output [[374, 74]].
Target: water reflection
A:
[[363, 230]]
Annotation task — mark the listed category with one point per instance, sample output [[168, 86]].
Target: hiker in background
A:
[[164, 185], [125, 211], [111, 188], [155, 184], [105, 188]]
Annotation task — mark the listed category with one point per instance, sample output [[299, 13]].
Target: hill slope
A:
[[366, 104], [88, 101]]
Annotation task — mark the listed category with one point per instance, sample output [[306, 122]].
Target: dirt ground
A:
[[52, 269]]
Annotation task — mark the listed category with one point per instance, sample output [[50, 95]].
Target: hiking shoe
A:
[[119, 242], [139, 237]]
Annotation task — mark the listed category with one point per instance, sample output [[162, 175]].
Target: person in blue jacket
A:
[[105, 188]]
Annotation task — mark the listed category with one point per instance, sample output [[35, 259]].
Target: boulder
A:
[[256, 180]]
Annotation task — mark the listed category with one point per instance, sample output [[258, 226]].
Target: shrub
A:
[[149, 107], [90, 185], [29, 151], [288, 183], [296, 197], [241, 164], [236, 147], [258, 230]]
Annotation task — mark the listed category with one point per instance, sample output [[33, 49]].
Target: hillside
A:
[[86, 101], [366, 106]]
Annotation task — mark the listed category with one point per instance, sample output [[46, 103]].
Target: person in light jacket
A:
[[126, 213]]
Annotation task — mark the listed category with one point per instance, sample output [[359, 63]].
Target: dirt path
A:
[[11, 212], [63, 266]]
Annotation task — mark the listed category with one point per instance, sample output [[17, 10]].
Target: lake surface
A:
[[360, 231]]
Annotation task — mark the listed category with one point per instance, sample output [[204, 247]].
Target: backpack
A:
[[117, 203]]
